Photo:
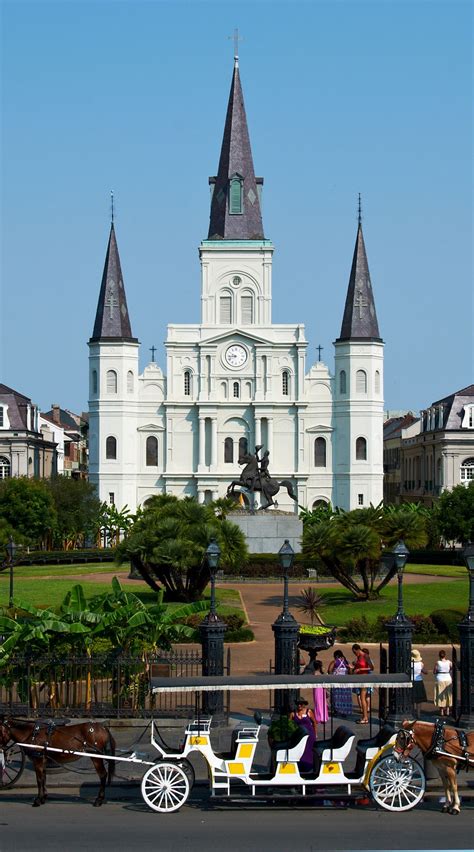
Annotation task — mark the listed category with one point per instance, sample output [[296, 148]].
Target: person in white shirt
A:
[[443, 692], [418, 670]]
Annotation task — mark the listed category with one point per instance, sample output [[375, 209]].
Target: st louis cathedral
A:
[[234, 379]]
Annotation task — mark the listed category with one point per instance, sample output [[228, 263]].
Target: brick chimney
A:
[[56, 413]]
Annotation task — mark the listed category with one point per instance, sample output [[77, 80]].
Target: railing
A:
[[98, 686]]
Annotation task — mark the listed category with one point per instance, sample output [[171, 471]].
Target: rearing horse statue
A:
[[256, 477]]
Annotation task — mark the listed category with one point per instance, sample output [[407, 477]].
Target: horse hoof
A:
[[445, 809], [36, 803], [454, 812], [98, 803]]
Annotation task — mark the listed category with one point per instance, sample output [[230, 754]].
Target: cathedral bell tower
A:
[[113, 389], [358, 392]]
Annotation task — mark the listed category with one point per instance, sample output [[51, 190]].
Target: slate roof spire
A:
[[112, 321], [360, 318], [236, 173]]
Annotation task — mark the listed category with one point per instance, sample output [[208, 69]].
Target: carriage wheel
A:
[[397, 785], [165, 787], [12, 763], [188, 770]]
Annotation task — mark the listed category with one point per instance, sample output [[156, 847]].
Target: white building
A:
[[235, 379]]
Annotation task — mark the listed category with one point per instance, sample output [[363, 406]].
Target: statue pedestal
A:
[[266, 532]]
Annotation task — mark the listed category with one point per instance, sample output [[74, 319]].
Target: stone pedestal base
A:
[[266, 532]]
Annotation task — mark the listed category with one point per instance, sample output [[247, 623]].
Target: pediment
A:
[[319, 429], [232, 333], [151, 427]]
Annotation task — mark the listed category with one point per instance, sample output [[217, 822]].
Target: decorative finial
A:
[[359, 212], [112, 206], [236, 38]]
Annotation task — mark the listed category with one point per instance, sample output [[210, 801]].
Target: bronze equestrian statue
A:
[[256, 477]]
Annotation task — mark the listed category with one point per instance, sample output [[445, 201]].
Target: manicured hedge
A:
[[435, 557], [447, 622], [66, 557], [266, 565]]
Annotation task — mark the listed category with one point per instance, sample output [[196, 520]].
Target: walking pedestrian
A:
[[443, 691], [418, 668], [361, 668], [341, 697]]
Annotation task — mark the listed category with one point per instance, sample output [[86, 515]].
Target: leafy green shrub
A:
[[435, 557], [315, 630], [245, 634], [362, 630], [233, 621], [447, 622]]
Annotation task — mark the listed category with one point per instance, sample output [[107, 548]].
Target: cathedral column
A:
[[214, 442], [202, 441], [270, 437], [215, 495], [258, 431], [200, 496]]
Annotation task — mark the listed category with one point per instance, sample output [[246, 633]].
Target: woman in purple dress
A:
[[341, 698], [304, 718], [319, 695]]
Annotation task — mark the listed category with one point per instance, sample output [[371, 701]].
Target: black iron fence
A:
[[113, 686]]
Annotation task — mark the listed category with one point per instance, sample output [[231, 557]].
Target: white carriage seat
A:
[[290, 755], [336, 748]]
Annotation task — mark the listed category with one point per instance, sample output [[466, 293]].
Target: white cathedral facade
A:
[[235, 380]]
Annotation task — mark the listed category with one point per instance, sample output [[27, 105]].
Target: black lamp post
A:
[[466, 639], [400, 633], [212, 630], [286, 630], [11, 551]]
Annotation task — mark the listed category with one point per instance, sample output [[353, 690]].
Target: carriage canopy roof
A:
[[260, 682]]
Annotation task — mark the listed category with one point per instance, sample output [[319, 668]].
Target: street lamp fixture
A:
[[11, 549], [213, 555], [400, 554], [286, 555]]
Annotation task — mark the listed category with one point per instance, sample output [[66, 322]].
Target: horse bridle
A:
[[409, 742]]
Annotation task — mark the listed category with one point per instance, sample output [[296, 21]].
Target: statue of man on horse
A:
[[255, 477]]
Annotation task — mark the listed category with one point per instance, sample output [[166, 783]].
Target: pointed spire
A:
[[236, 162], [112, 320], [360, 318]]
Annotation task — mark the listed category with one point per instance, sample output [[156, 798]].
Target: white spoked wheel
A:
[[397, 785], [165, 787]]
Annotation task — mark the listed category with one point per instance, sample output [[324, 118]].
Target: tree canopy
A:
[[455, 510], [28, 510], [77, 509], [351, 544], [168, 541]]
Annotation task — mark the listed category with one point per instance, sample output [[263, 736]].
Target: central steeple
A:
[[235, 204]]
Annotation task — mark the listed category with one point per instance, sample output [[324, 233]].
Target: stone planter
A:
[[317, 641]]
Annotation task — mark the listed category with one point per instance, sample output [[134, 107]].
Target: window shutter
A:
[[247, 310], [320, 452], [235, 196], [226, 310]]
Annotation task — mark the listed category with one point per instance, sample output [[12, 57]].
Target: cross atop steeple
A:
[[236, 39]]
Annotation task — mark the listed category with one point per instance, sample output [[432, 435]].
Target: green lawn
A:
[[418, 598], [70, 570], [437, 570]]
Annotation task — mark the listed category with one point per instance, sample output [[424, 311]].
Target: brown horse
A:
[[88, 737], [447, 748]]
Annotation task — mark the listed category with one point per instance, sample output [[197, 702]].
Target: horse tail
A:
[[287, 483], [110, 749]]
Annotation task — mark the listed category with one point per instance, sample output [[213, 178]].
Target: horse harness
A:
[[438, 745], [49, 727]]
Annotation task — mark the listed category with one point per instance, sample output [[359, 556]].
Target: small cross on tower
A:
[[236, 39], [153, 350], [359, 303], [320, 349]]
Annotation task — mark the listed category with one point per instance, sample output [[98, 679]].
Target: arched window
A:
[[224, 390], [246, 308], [236, 390], [229, 451], [225, 309], [111, 381], [187, 383], [95, 385], [285, 382], [111, 447], [342, 382], [320, 452], [130, 381], [361, 381], [361, 449], [152, 451], [467, 471], [243, 447], [4, 468], [235, 195], [377, 381]]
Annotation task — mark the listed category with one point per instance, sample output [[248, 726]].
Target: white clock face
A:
[[236, 355]]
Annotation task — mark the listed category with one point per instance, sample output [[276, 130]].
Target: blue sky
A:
[[341, 98]]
